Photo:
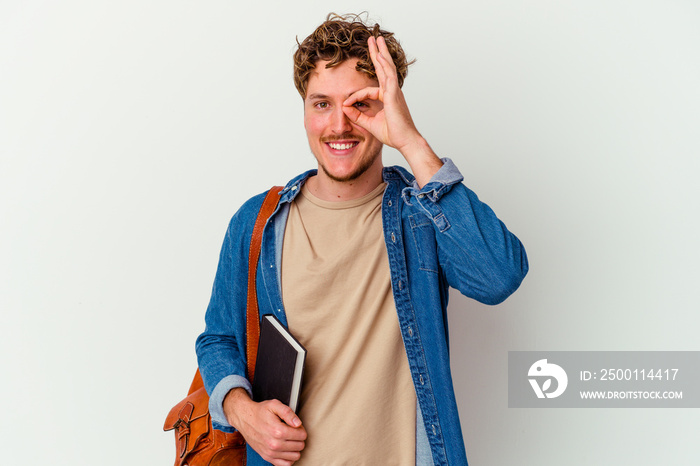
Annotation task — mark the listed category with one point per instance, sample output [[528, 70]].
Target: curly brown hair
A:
[[339, 38]]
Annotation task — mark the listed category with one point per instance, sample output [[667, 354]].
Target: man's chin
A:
[[342, 179], [347, 177]]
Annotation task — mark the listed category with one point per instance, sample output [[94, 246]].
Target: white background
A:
[[130, 131]]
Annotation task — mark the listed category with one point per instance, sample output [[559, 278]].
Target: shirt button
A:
[[393, 238], [434, 430], [410, 334], [390, 203], [421, 196], [400, 285], [422, 382]]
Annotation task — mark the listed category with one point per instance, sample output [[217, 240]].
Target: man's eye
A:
[[360, 105], [322, 105]]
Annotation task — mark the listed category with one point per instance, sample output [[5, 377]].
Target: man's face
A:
[[344, 150]]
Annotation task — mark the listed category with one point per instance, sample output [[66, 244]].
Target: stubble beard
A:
[[365, 164]]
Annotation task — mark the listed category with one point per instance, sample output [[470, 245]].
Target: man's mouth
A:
[[342, 145]]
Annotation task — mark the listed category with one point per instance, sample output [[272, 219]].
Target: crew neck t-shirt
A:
[[358, 403]]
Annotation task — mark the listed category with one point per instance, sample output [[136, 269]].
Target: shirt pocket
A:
[[423, 235]]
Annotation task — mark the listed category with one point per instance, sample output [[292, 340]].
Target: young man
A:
[[357, 260]]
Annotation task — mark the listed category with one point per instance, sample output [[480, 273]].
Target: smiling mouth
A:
[[342, 145]]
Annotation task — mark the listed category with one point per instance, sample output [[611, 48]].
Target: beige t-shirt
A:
[[358, 403]]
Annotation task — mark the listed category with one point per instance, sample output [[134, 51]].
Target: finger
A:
[[371, 93], [357, 117], [374, 55], [387, 65], [384, 52], [285, 413], [284, 449], [278, 462], [363, 118], [278, 445], [286, 458], [282, 452], [384, 67]]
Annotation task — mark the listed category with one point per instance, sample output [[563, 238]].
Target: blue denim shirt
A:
[[436, 237]]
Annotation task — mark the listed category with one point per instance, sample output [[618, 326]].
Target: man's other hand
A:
[[271, 428]]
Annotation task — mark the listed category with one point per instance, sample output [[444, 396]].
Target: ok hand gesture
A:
[[393, 124]]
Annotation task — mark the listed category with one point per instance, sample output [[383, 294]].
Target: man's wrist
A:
[[234, 403], [423, 161]]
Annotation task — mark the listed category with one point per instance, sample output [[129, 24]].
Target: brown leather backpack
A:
[[197, 443]]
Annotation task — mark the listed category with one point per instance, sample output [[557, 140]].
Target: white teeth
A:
[[336, 146]]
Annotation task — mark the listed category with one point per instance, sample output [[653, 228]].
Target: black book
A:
[[280, 364]]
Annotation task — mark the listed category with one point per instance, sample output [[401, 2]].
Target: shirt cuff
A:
[[441, 182], [216, 400], [448, 174]]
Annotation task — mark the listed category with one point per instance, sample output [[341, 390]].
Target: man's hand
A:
[[392, 125], [271, 428]]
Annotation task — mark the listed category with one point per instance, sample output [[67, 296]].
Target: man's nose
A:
[[340, 124]]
